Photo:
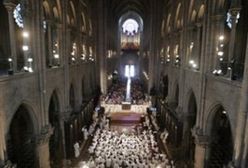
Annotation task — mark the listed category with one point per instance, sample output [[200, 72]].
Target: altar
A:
[[126, 106]]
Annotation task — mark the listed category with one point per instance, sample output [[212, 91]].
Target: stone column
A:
[[50, 44], [2, 141], [198, 45], [200, 152], [60, 60], [64, 117], [183, 63], [154, 45], [43, 147], [201, 146], [242, 116], [102, 41], [244, 161], [10, 8]]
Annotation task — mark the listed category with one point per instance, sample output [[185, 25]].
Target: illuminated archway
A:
[[130, 28]]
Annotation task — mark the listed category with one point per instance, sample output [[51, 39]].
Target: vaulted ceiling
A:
[[120, 7]]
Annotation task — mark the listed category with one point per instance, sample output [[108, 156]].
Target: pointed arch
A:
[[168, 23], [59, 9], [191, 5], [55, 141], [162, 28], [21, 139], [90, 28], [219, 129], [83, 22], [55, 13], [47, 10], [189, 139], [73, 13], [177, 15], [193, 16], [201, 12]]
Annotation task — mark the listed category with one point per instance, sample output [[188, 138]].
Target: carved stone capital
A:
[[65, 116], [10, 6], [44, 135], [200, 138]]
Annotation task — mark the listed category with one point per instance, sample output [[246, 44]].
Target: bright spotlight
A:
[[25, 48], [25, 34]]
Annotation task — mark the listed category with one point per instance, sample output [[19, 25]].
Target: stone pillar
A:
[[242, 116], [201, 145], [198, 45], [10, 7], [200, 151], [244, 161], [154, 45], [2, 141], [50, 44], [43, 147], [183, 63], [65, 50], [102, 41], [64, 117], [60, 61]]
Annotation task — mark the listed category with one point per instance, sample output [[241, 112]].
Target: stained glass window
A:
[[17, 13], [130, 26], [229, 19]]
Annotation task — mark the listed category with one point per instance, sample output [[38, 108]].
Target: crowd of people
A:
[[131, 149], [117, 93]]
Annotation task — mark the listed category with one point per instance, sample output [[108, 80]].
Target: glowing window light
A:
[[132, 71], [191, 61], [56, 56], [220, 53], [30, 59], [229, 19], [129, 71], [25, 48], [17, 13], [25, 34], [221, 38], [130, 26]]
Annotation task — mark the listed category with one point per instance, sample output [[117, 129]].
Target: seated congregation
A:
[[134, 148], [117, 93]]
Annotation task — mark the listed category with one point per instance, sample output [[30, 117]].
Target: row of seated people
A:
[[126, 149], [116, 94]]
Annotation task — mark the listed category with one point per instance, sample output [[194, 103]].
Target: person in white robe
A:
[[76, 149]]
